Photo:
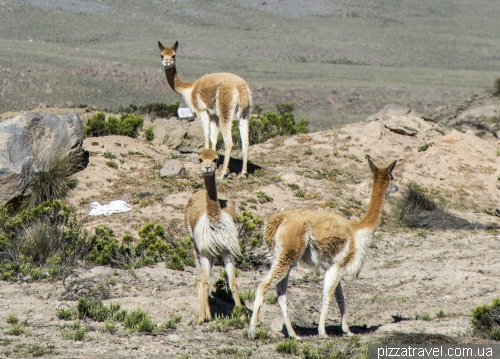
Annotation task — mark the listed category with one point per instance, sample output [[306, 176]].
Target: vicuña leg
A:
[[279, 269], [243, 127], [206, 267], [225, 125], [281, 292], [339, 296], [231, 277], [214, 131], [205, 125], [332, 278]]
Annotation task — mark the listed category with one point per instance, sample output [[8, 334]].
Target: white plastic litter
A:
[[112, 207]]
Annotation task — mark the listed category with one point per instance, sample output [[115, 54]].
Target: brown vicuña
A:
[[211, 226], [216, 99], [321, 239]]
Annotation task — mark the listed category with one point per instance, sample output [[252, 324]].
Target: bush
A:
[[288, 346], [417, 209], [486, 319], [53, 180], [139, 321], [150, 134], [48, 235], [155, 109], [126, 125], [269, 125]]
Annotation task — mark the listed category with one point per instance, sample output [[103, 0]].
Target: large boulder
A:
[[180, 135], [27, 142]]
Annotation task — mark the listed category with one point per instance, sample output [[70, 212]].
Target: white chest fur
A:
[[212, 237]]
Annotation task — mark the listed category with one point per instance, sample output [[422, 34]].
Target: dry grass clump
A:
[[53, 180], [417, 209]]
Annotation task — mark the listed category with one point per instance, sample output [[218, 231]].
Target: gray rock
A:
[[277, 324], [179, 135], [29, 140], [172, 168]]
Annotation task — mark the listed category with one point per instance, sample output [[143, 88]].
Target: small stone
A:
[[417, 244], [172, 168], [173, 338], [277, 324], [401, 240]]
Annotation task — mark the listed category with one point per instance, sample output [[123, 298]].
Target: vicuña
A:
[[216, 99], [321, 239], [211, 226]]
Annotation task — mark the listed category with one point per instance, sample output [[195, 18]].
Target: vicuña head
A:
[[211, 226], [216, 99], [321, 239]]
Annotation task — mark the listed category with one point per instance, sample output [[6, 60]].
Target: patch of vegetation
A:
[[155, 245], [288, 346], [238, 320], [96, 310], [172, 323], [247, 295], [150, 134], [12, 319], [127, 125], [440, 313], [74, 332], [263, 197], [416, 208], [38, 350], [300, 193], [250, 235], [331, 350], [139, 321], [53, 180], [154, 109], [16, 329], [271, 299], [269, 125], [486, 319], [40, 241], [424, 147], [112, 164]]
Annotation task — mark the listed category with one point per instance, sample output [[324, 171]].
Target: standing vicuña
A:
[[216, 99], [321, 239], [211, 226]]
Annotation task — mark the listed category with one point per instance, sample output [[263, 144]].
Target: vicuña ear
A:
[[160, 46], [175, 46], [373, 168], [391, 167]]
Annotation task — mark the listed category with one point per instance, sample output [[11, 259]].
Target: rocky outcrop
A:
[[27, 142], [180, 135]]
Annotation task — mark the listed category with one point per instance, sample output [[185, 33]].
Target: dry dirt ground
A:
[[407, 275]]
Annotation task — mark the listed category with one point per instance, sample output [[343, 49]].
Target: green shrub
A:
[[139, 321], [155, 109], [486, 319], [172, 323], [110, 327], [47, 236], [93, 309], [271, 299], [16, 329], [150, 134], [269, 125], [288, 346], [238, 320], [65, 313], [12, 319], [127, 125]]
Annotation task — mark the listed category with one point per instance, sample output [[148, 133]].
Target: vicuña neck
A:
[[213, 206], [174, 81], [372, 216]]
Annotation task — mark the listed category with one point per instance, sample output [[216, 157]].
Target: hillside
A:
[[410, 275], [339, 61]]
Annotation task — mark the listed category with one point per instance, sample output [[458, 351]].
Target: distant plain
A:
[[338, 61]]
